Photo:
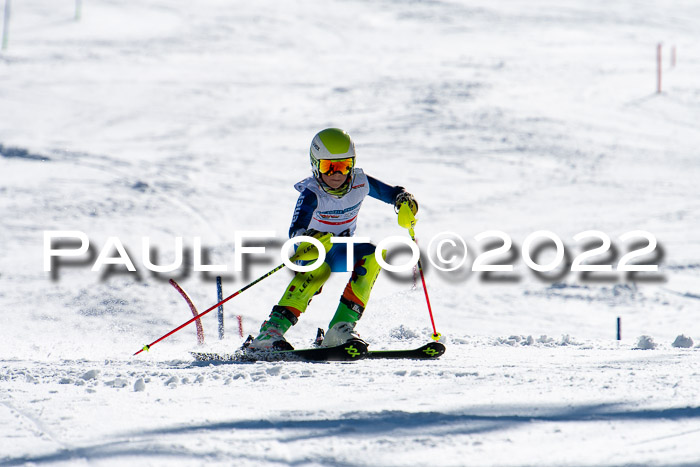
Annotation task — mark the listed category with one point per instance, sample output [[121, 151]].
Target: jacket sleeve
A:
[[303, 212], [383, 192]]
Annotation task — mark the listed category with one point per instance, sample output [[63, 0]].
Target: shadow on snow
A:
[[354, 425]]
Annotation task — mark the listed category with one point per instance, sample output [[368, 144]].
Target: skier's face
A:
[[335, 180]]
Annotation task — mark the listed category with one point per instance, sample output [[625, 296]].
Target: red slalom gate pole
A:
[[213, 307], [198, 323]]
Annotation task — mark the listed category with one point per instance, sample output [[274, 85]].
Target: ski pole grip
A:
[[406, 217]]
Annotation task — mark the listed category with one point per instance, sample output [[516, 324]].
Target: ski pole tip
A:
[[146, 347], [436, 337]]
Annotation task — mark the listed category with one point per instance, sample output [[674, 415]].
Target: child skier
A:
[[328, 206]]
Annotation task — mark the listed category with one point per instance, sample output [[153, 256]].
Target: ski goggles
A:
[[328, 166]]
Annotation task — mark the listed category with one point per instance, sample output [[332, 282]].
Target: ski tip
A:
[[429, 351], [434, 349]]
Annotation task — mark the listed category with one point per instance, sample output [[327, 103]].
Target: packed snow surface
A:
[[149, 121]]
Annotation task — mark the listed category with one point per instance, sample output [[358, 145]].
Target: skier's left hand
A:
[[406, 197]]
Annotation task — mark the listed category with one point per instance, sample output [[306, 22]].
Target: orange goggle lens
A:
[[327, 166]]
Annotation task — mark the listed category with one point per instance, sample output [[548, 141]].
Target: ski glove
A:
[[307, 251], [406, 197]]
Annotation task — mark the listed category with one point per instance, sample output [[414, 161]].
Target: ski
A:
[[429, 351], [350, 351]]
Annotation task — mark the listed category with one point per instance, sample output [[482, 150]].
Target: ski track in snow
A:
[[171, 118]]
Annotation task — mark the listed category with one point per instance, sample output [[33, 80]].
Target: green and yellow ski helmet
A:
[[332, 150]]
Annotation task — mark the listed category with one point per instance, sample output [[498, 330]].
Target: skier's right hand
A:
[[307, 251]]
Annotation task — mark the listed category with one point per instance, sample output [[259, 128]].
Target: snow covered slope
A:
[[165, 119]]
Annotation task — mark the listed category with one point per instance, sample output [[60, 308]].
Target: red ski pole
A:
[[148, 346], [303, 249], [407, 220]]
